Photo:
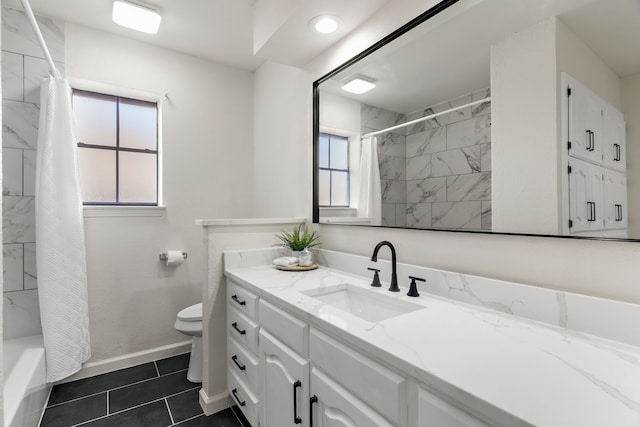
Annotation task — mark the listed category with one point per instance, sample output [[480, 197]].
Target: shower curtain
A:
[[370, 195], [60, 247]]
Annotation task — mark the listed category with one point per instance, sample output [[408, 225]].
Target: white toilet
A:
[[189, 322]]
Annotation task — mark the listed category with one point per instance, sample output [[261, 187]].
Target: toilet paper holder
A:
[[164, 256]]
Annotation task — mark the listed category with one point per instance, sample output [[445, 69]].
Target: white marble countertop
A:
[[494, 363]]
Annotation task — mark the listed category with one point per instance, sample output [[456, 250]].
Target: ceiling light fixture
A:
[[136, 16], [325, 24], [358, 85]]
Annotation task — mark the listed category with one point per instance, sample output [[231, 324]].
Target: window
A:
[[334, 170], [117, 149]]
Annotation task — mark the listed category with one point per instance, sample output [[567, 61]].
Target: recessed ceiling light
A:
[[325, 24], [358, 85], [136, 16]]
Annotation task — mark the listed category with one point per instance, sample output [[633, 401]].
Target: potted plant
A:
[[301, 238]]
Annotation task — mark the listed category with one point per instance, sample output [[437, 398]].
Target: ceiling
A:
[[223, 30]]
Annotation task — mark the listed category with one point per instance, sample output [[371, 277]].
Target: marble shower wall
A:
[[23, 66], [448, 166], [392, 160]]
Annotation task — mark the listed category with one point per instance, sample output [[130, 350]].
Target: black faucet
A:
[[394, 277]]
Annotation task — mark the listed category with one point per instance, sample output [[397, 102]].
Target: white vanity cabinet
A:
[[331, 405], [285, 372], [435, 412], [242, 350]]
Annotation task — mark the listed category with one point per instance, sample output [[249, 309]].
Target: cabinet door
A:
[[615, 200], [285, 384], [435, 412], [333, 406], [614, 135], [585, 197], [585, 123]]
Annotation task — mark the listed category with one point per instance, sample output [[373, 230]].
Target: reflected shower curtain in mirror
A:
[[61, 264], [370, 191]]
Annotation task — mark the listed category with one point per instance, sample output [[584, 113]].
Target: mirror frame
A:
[[433, 11]]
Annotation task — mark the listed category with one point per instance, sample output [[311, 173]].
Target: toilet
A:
[[189, 322]]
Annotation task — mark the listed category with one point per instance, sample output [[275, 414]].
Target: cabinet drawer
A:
[[242, 300], [245, 399], [288, 329], [241, 362], [242, 329], [371, 382]]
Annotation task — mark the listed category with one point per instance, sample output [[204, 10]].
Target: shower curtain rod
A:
[[422, 119], [32, 20]]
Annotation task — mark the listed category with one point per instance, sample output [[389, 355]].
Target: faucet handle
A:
[[376, 278], [413, 288]]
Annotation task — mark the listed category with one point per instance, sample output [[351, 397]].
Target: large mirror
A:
[[508, 116]]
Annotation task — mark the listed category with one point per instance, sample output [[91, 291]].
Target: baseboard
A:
[[128, 360], [213, 404]]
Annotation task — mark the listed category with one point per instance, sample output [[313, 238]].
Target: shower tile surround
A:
[[23, 66], [437, 173]]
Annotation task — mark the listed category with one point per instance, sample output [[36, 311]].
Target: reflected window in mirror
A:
[[334, 170]]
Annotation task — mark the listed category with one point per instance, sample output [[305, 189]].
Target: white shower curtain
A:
[[370, 195], [60, 247]]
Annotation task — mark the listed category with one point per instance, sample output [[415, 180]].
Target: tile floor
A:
[[154, 394]]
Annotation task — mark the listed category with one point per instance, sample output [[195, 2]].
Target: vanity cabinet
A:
[[242, 350], [285, 372], [433, 411], [585, 196], [331, 405], [282, 372]]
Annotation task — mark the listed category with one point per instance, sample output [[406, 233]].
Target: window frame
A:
[[330, 169], [78, 85]]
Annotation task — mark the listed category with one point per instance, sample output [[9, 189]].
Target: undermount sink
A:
[[365, 304]]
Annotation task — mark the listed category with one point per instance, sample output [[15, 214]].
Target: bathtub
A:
[[25, 387]]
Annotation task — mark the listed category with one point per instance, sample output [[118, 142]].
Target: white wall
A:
[[524, 132], [282, 129], [606, 269], [207, 139], [631, 108]]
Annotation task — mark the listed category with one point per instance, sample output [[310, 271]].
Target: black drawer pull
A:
[[616, 150], [238, 300], [235, 395], [235, 360], [312, 400], [296, 418], [234, 325]]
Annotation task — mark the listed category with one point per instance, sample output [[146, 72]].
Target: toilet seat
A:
[[191, 314]]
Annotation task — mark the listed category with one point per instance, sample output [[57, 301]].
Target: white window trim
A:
[[92, 211], [354, 163], [107, 89]]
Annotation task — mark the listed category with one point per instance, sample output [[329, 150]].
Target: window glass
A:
[[325, 188], [117, 149], [339, 188], [95, 118], [339, 153], [97, 169], [324, 150], [138, 124]]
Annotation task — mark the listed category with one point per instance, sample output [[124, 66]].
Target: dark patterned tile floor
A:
[[155, 394]]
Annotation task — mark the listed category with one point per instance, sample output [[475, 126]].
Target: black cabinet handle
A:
[[238, 300], [618, 212], [590, 142], [312, 400], [235, 360], [296, 418], [617, 154], [234, 325], [235, 395], [592, 211]]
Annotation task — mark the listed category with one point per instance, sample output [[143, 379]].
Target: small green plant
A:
[[299, 239]]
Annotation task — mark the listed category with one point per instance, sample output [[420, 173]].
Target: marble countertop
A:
[[509, 368]]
